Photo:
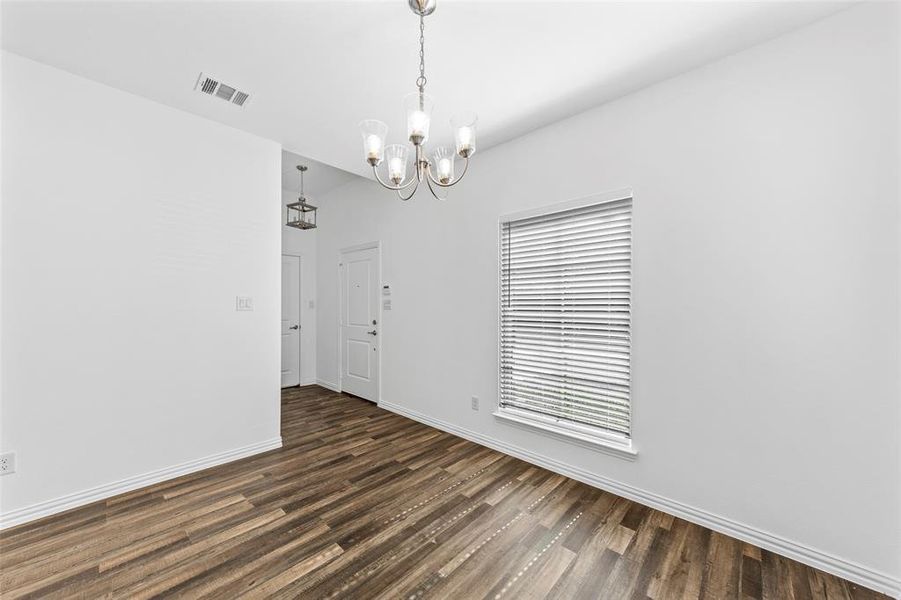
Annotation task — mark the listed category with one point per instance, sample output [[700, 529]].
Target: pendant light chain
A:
[[421, 80]]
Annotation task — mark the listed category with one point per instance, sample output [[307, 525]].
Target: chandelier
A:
[[300, 214], [437, 172]]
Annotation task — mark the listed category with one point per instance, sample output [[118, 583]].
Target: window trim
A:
[[589, 437]]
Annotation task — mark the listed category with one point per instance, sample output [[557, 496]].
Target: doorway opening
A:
[[291, 327]]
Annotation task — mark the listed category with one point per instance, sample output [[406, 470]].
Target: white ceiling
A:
[[319, 179], [315, 69]]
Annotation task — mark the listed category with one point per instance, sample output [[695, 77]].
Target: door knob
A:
[[373, 332], [294, 327]]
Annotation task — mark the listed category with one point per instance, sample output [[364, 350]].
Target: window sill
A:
[[612, 446]]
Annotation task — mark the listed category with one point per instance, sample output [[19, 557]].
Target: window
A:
[[565, 321]]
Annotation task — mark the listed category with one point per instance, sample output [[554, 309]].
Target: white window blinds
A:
[[565, 316]]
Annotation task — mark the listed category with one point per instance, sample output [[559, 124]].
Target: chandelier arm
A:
[[465, 166], [388, 185], [410, 195], [429, 180], [455, 182]]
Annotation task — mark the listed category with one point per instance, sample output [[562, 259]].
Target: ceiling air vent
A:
[[209, 85], [225, 92], [213, 87]]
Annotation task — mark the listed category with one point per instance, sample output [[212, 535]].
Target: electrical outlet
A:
[[7, 463], [475, 403]]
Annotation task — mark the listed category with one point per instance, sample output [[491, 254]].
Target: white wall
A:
[[302, 243], [766, 271], [128, 230]]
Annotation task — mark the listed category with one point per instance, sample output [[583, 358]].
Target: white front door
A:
[[359, 323], [290, 321]]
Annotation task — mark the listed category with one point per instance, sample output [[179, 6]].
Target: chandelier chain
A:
[[421, 80]]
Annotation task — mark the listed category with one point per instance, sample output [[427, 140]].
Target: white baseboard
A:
[[840, 567], [328, 385], [101, 492]]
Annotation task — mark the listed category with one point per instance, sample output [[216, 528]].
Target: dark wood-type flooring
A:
[[362, 503]]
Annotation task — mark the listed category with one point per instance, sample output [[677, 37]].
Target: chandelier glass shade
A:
[[374, 134], [437, 171], [396, 155]]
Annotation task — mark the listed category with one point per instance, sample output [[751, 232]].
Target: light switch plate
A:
[[386, 304], [243, 303]]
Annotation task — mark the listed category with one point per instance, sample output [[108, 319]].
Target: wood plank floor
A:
[[362, 503]]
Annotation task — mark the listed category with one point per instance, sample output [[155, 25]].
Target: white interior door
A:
[[290, 321], [359, 323]]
